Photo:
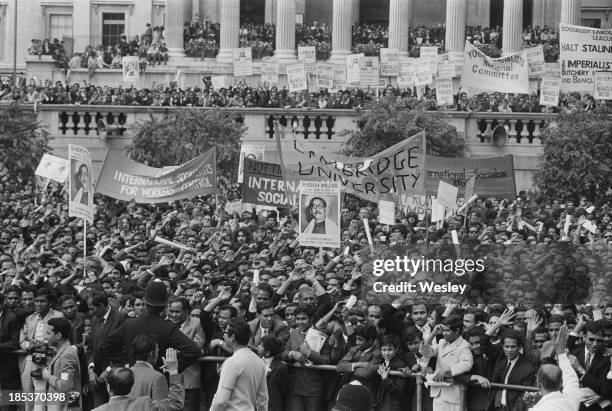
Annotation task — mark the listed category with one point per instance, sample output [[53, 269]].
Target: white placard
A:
[[444, 91], [319, 214], [53, 167], [243, 62], [389, 62], [603, 85], [353, 68], [447, 195], [80, 183], [549, 91], [130, 68], [422, 72], [308, 56], [325, 75], [535, 60], [370, 72], [254, 151], [340, 77], [430, 53], [386, 212], [296, 77], [406, 72], [269, 71]]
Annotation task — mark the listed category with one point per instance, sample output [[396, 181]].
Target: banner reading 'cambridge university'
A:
[[509, 74], [124, 179], [583, 51]]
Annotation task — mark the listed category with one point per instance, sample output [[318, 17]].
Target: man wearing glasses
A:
[[318, 222], [242, 382]]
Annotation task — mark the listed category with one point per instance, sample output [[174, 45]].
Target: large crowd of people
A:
[[111, 294]]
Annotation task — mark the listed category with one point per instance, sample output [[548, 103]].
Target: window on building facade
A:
[[60, 26], [113, 27]]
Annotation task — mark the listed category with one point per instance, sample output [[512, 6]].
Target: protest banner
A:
[[218, 82], [603, 85], [430, 53], [370, 72], [308, 56], [319, 216], [398, 169], [253, 151], [583, 51], [549, 91], [535, 60], [494, 175], [340, 82], [130, 69], [53, 167], [243, 62], [389, 62], [265, 184], [422, 72], [296, 77], [269, 71], [447, 194], [386, 212], [444, 91], [80, 184], [127, 180], [509, 74], [325, 75], [353, 68], [406, 72]]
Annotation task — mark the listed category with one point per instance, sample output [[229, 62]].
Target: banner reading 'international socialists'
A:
[[124, 179], [264, 184], [494, 175], [509, 74], [583, 51]]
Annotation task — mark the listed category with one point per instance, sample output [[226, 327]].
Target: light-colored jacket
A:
[[193, 329], [27, 334], [456, 356], [65, 376], [569, 399]]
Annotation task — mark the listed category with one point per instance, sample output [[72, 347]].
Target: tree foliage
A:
[[22, 142], [577, 157], [180, 135], [387, 123]]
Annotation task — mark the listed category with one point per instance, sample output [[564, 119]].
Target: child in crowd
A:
[[391, 394]]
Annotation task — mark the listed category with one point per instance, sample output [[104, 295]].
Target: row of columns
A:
[[345, 14]]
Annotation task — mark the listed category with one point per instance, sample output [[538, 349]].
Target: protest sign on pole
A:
[[308, 56], [253, 151], [406, 72], [444, 91], [53, 167], [243, 62], [340, 82], [386, 210], [422, 72], [127, 180], [353, 68], [370, 72], [535, 60], [447, 195], [469, 188], [549, 91], [583, 51], [509, 74], [130, 69], [325, 75], [269, 71], [437, 211], [430, 53], [389, 62], [319, 216], [80, 183], [445, 69], [296, 77], [265, 184], [603, 85]]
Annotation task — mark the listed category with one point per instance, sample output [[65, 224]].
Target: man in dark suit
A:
[[267, 324], [106, 320], [590, 364], [512, 368], [9, 341], [168, 335], [277, 373]]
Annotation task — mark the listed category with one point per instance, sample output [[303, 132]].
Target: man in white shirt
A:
[[553, 378]]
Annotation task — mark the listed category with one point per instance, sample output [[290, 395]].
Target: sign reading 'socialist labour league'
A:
[[583, 51], [319, 214], [127, 180], [509, 74], [264, 184], [80, 183], [398, 169]]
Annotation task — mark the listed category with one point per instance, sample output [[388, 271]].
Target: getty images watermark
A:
[[412, 267]]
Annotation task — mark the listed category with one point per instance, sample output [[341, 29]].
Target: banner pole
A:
[[84, 246], [279, 148]]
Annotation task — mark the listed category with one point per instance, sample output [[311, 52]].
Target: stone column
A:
[[399, 19], [512, 35], [341, 30], [230, 26], [270, 17], [570, 12], [285, 30], [175, 20], [456, 19]]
